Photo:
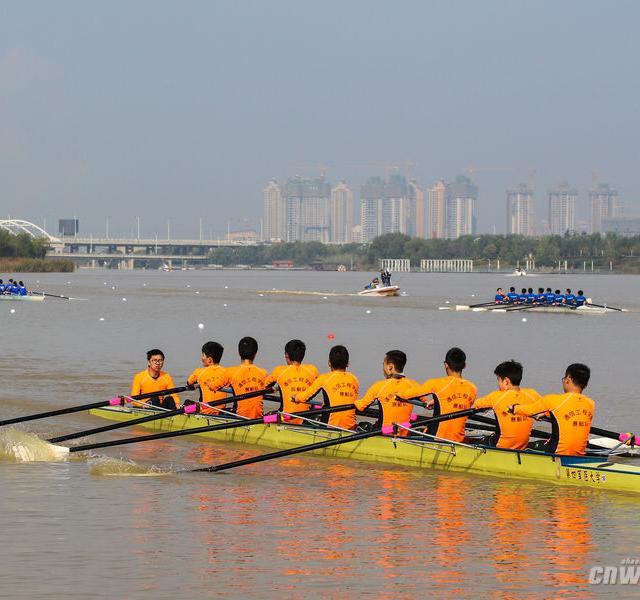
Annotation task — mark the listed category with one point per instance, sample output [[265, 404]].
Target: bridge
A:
[[124, 253]]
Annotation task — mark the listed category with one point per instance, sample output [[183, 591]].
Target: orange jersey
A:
[[143, 383], [244, 379], [338, 388], [385, 391], [513, 431], [452, 394], [293, 380], [210, 379], [571, 416]]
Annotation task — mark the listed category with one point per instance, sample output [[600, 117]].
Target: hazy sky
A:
[[183, 110]]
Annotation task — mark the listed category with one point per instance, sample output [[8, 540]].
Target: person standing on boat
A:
[[512, 431], [571, 413], [154, 379], [387, 390], [338, 387], [450, 394], [209, 376], [501, 297], [293, 378]]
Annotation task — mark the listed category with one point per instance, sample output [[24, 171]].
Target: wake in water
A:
[[114, 467], [20, 446]]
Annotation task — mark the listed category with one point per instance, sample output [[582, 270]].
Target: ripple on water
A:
[[104, 466], [17, 445]]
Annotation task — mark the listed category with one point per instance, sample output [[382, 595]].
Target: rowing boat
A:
[[585, 309], [18, 298], [388, 290], [586, 471]]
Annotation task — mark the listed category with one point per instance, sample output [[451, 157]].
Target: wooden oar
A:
[[189, 408], [118, 401], [274, 418], [334, 442], [608, 307]]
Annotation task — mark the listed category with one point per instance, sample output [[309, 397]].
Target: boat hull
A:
[[17, 298], [390, 290], [584, 471]]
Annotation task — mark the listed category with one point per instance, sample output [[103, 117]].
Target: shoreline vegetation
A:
[[24, 254], [607, 252]]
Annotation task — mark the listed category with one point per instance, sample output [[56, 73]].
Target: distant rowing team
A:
[[570, 412], [12, 287], [547, 298]]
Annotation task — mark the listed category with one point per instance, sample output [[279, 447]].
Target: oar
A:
[[625, 438], [118, 401], [59, 296], [274, 418], [333, 442], [189, 408], [609, 307], [472, 306]]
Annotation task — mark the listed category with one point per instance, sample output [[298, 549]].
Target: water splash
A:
[[115, 467], [17, 445]]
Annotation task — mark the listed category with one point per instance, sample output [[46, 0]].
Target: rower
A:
[[522, 298], [540, 296], [22, 290], [512, 431], [580, 298], [210, 377], [154, 379], [549, 297], [501, 297], [387, 390], [451, 394], [571, 413], [293, 378], [559, 298], [512, 295], [338, 387], [531, 296], [247, 377], [2, 287], [569, 298]]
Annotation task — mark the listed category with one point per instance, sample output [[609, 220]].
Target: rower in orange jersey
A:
[[512, 431], [294, 378], [154, 379], [338, 388], [451, 394], [387, 391], [247, 377], [209, 376], [571, 413]]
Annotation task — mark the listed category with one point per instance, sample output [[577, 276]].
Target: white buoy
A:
[[473, 295], [324, 297], [13, 311], [261, 295], [224, 305], [197, 292], [226, 287], [124, 299], [101, 319], [368, 311], [144, 285], [188, 285], [113, 287], [446, 301], [524, 319], [200, 325]]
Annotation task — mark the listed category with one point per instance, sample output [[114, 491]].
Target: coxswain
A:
[[501, 297], [571, 413], [450, 394], [338, 387], [549, 297], [512, 431], [387, 390], [2, 287], [209, 377], [512, 295], [580, 298], [154, 379], [541, 297], [569, 298], [293, 378]]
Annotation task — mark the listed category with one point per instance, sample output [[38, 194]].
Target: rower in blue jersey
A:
[[522, 298], [531, 297], [549, 296], [569, 298], [512, 295], [559, 298], [540, 297], [580, 298], [22, 290], [15, 289], [2, 287], [501, 297]]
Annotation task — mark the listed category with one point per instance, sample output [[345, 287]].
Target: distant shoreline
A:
[[36, 265]]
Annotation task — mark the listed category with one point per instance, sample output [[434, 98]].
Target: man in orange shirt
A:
[[293, 378], [571, 412], [512, 431], [338, 388], [154, 379], [386, 391], [451, 394], [208, 377]]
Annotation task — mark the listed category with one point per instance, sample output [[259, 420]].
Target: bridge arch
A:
[[17, 226]]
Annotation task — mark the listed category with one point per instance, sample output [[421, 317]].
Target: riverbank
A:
[[36, 265]]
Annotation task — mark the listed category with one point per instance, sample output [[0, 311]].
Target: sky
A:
[[176, 112]]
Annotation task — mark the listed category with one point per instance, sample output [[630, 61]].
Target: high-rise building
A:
[[520, 211], [306, 210], [398, 214], [437, 211], [604, 204], [562, 209], [417, 198], [460, 208], [341, 213], [371, 201], [273, 212]]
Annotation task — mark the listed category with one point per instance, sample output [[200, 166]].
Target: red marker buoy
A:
[[331, 336]]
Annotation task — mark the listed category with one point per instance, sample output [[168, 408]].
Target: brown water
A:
[[304, 526]]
